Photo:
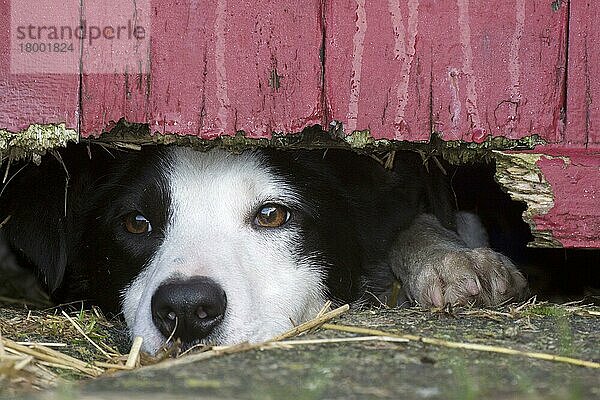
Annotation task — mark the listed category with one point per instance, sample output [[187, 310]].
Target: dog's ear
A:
[[37, 201], [33, 203]]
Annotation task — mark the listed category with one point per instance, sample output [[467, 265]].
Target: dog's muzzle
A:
[[188, 309]]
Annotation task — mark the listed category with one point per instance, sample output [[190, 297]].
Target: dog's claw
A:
[[472, 286], [436, 296]]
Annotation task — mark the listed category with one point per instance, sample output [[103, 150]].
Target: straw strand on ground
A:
[[290, 343], [466, 346], [313, 323], [134, 354]]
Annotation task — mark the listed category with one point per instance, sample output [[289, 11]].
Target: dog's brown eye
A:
[[272, 216], [137, 223]]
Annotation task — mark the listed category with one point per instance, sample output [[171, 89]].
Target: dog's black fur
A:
[[66, 215]]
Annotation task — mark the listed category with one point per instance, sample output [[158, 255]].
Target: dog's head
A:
[[227, 261], [206, 247]]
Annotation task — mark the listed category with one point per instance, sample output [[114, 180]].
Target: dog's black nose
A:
[[188, 309]]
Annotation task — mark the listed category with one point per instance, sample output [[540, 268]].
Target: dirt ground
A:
[[437, 361]]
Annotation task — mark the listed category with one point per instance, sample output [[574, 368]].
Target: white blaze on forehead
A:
[[267, 279]]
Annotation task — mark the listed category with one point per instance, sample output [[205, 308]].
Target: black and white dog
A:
[[220, 248]]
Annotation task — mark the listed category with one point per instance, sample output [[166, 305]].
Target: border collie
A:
[[214, 247]]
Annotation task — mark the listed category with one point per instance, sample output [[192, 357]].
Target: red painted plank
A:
[[583, 92], [217, 68], [26, 95], [575, 179], [491, 67], [377, 75], [272, 63], [113, 85]]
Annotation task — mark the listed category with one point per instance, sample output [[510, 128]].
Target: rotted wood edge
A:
[[35, 141], [521, 177]]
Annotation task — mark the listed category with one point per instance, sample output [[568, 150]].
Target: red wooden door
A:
[[467, 70]]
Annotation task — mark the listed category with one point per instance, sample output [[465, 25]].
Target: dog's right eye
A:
[[272, 216], [136, 223]]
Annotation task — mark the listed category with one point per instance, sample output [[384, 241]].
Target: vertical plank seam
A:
[[563, 136], [79, 110], [323, 101], [514, 66], [588, 93]]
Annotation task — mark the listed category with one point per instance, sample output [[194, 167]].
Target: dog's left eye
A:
[[272, 216], [136, 223]]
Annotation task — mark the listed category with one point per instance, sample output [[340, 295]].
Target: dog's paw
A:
[[466, 276]]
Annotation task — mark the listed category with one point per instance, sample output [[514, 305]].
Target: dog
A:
[[221, 248]]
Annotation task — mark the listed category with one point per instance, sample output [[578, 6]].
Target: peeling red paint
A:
[[464, 27], [222, 119], [212, 67], [477, 135], [575, 179], [404, 49], [357, 62], [476, 69]]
